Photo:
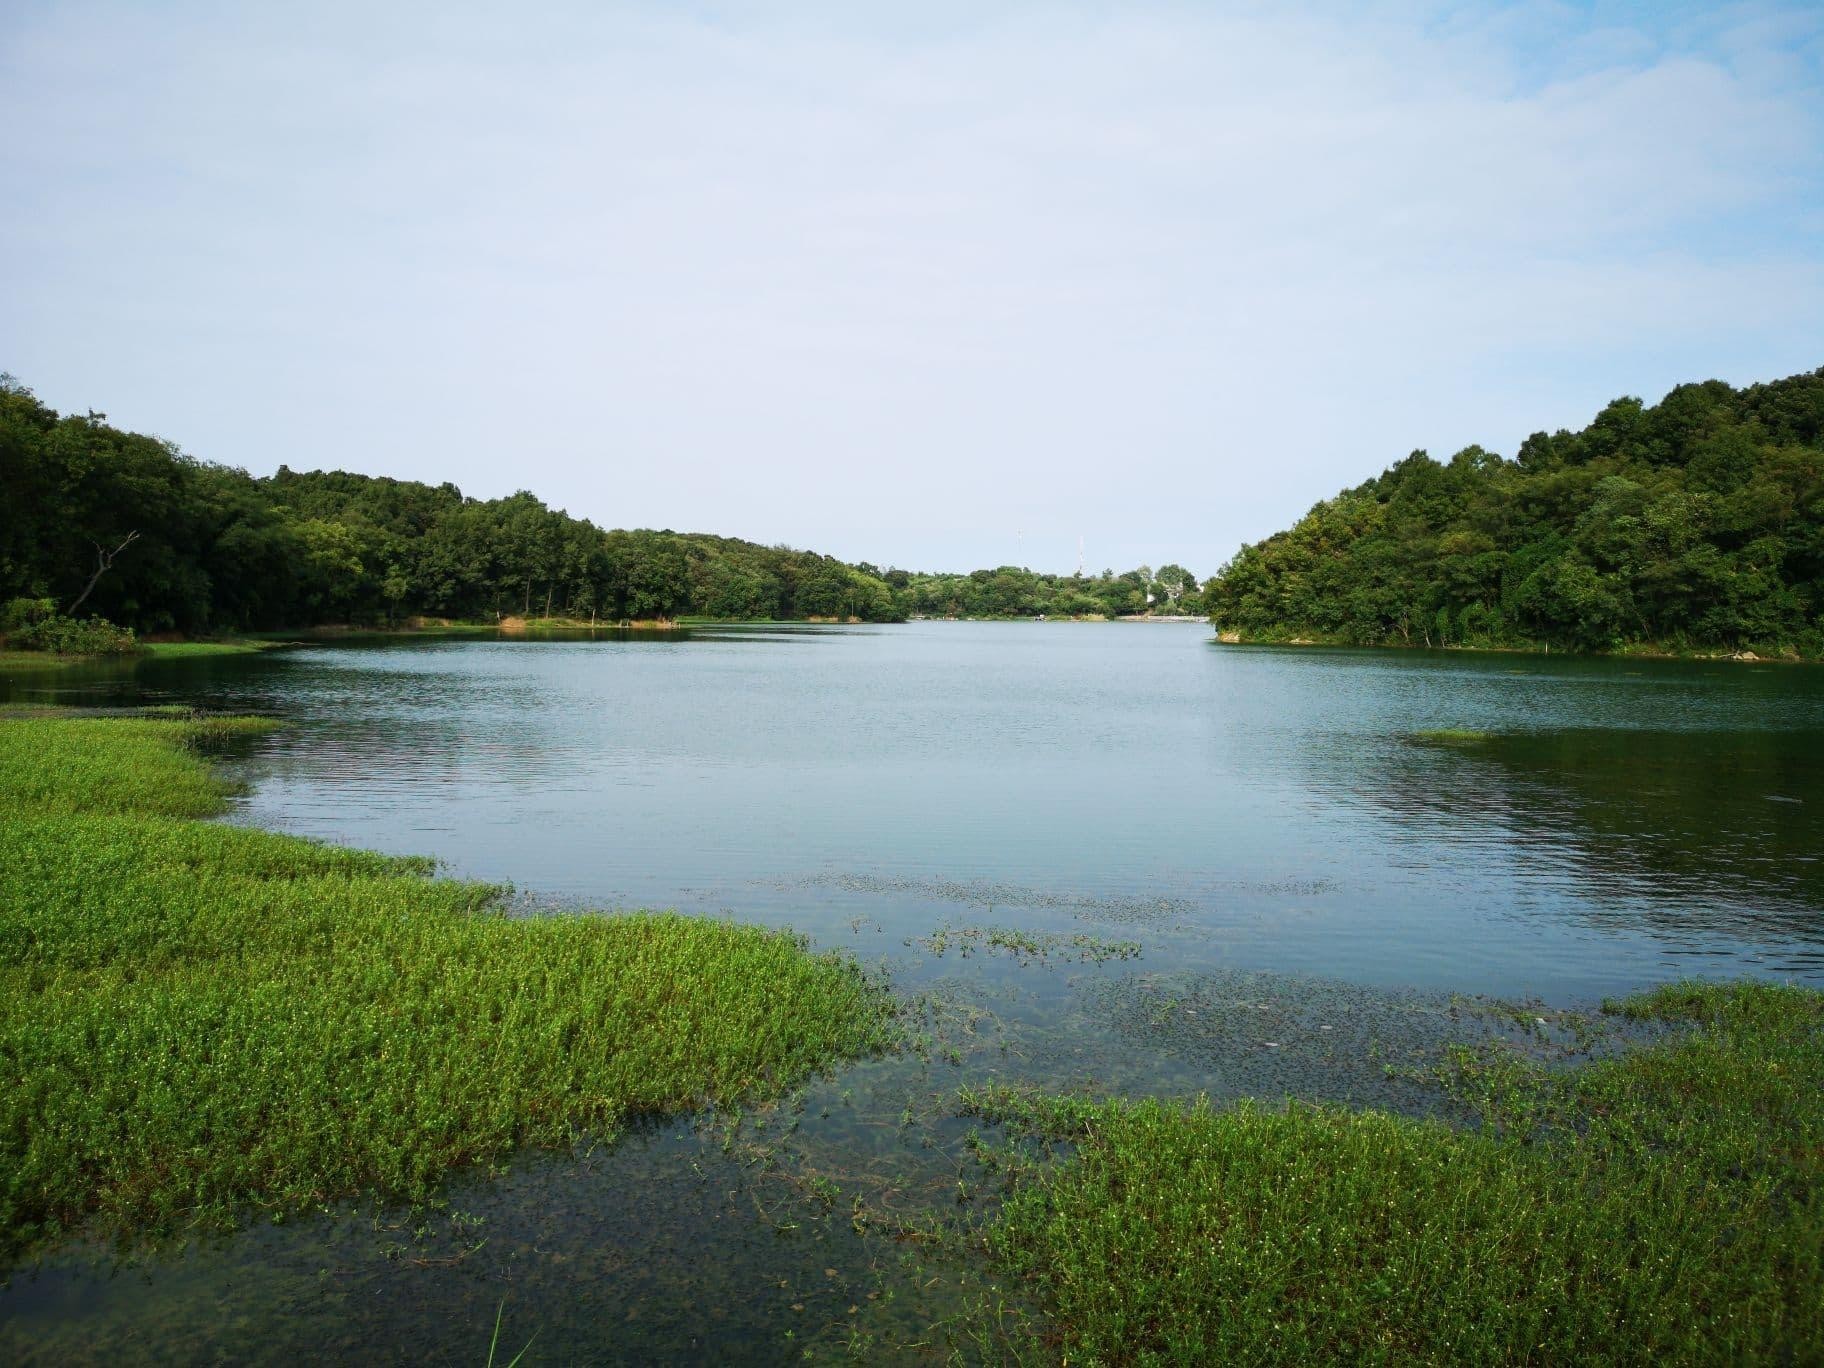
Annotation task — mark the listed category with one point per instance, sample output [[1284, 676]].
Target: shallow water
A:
[[1306, 879]]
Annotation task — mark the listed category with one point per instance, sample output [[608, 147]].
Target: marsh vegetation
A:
[[198, 1021], [1663, 1205]]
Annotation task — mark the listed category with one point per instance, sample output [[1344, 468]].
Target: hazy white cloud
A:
[[900, 289]]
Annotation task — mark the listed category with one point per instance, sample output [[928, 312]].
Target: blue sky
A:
[[941, 285]]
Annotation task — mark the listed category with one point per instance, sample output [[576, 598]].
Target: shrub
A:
[[68, 635], [21, 613]]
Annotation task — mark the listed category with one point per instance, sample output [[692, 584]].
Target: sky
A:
[[931, 285]]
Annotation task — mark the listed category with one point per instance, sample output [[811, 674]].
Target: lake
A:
[[1109, 856]]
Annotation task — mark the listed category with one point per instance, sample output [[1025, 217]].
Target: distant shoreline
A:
[[1640, 651]]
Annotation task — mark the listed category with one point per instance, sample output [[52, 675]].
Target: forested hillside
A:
[[1012, 591], [1696, 523], [217, 549]]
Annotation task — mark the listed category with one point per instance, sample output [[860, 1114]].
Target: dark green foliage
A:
[[1013, 592], [219, 550], [1666, 1205], [22, 613], [1697, 523], [36, 625]]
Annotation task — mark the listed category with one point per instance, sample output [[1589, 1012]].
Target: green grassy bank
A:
[[180, 650], [199, 1021], [21, 662], [1663, 1205], [1750, 651]]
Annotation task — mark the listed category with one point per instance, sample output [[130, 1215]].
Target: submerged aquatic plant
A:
[[1029, 946], [494, 1343]]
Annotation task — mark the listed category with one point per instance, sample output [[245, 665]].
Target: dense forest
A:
[[185, 546], [1014, 592], [218, 549], [1697, 523]]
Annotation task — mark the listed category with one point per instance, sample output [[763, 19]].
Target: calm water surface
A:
[[1306, 879], [1259, 809]]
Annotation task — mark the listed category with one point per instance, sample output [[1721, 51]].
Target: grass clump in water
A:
[[1665, 1204], [1029, 946], [21, 662], [1451, 736], [184, 650], [197, 1019]]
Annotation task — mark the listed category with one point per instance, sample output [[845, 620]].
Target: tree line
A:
[[1012, 591], [128, 527], [1697, 523], [213, 548]]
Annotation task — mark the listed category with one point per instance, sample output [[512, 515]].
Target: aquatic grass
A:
[[198, 1020], [1664, 1204], [184, 650], [494, 1343], [84, 766], [1451, 736], [1765, 1009], [19, 662], [1029, 946]]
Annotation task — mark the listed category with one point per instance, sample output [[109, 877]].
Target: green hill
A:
[[219, 549], [1694, 524]]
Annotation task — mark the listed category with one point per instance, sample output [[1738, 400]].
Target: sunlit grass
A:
[[1665, 1205], [196, 1020], [180, 650], [19, 662]]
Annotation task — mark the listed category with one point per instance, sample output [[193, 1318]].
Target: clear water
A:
[[1306, 879]]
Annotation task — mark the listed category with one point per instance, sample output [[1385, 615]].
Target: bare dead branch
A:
[[104, 562]]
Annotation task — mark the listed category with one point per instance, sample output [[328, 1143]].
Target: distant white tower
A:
[[1079, 555]]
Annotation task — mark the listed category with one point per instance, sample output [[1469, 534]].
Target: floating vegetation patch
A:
[[1563, 1032], [1028, 946], [1268, 1035], [1281, 888], [1664, 1205], [30, 662], [1451, 736], [981, 893], [186, 650]]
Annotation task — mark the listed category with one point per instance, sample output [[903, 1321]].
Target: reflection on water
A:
[[1307, 883], [1704, 837]]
